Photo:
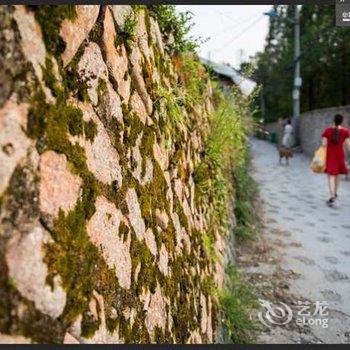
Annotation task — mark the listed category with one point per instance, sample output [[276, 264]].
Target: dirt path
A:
[[304, 248]]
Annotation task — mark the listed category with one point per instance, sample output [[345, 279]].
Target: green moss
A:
[[50, 18], [90, 130], [101, 86], [96, 32], [89, 325], [151, 85], [138, 8], [148, 29], [124, 231], [141, 256], [159, 336], [74, 119], [133, 126], [49, 77], [51, 124], [73, 83]]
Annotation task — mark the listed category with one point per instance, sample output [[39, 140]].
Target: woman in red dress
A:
[[333, 138]]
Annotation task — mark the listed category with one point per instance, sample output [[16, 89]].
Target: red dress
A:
[[335, 152]]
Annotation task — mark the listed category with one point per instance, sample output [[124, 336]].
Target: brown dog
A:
[[285, 153]]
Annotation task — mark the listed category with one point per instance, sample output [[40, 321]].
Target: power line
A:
[[232, 26], [256, 20]]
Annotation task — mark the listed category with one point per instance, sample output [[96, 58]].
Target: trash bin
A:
[[273, 137]]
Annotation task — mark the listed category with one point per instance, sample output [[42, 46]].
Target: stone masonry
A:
[[100, 227]]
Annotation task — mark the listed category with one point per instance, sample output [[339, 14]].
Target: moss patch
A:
[[50, 18]]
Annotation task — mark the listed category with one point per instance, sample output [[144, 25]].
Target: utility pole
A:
[[297, 78]]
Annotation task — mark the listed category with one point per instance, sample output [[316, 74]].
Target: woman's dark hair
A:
[[289, 121], [338, 119]]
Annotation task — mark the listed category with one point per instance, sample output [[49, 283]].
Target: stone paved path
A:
[[315, 239]]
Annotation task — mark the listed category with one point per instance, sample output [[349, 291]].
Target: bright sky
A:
[[236, 31]]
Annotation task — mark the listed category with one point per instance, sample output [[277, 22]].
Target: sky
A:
[[235, 31]]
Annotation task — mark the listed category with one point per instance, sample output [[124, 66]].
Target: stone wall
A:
[[101, 230], [314, 122]]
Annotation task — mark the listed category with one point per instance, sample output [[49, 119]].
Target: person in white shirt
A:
[[287, 140]]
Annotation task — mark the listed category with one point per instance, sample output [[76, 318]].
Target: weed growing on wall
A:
[[174, 28], [237, 300], [245, 190], [224, 174], [225, 150]]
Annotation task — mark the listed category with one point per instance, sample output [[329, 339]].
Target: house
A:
[[229, 76]]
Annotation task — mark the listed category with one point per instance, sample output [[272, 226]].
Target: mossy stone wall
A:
[[104, 237]]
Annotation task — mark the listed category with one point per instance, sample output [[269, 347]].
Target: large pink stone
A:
[[195, 338], [32, 44], [69, 339], [161, 155], [209, 322], [114, 108], [156, 35], [142, 36], [138, 107], [162, 219], [91, 69], [24, 257], [31, 38], [74, 32], [151, 241], [13, 140], [14, 339], [163, 260], [156, 311], [204, 316], [59, 188], [136, 158], [116, 58], [137, 77], [135, 214], [178, 187], [103, 232], [101, 157]]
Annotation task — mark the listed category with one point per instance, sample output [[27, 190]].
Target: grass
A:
[[245, 192], [237, 300]]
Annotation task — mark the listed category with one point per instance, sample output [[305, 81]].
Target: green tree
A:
[[325, 67]]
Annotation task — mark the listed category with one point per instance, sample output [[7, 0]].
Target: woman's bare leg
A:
[[337, 182], [331, 185]]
